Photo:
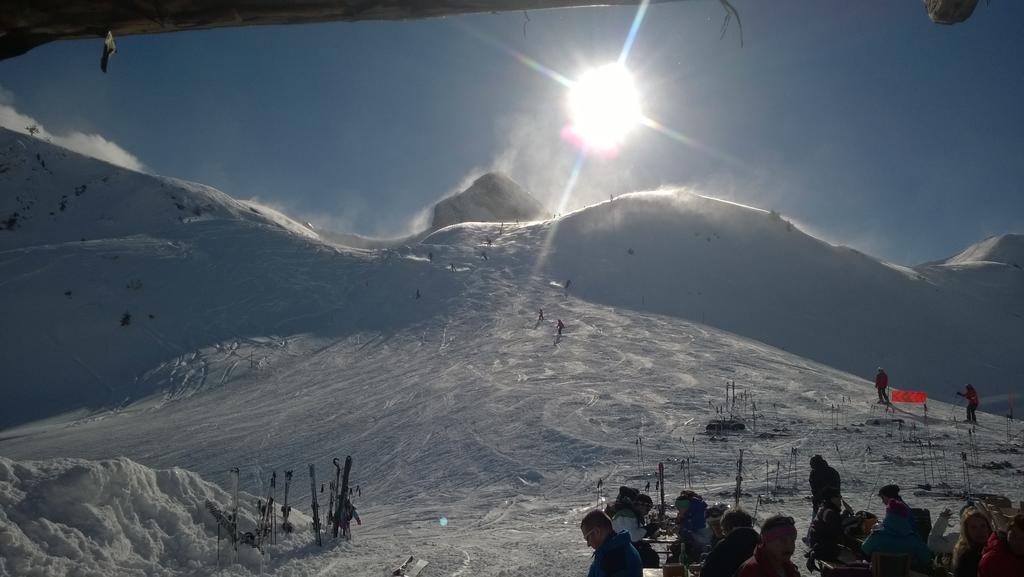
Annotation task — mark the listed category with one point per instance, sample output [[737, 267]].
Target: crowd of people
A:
[[721, 541]]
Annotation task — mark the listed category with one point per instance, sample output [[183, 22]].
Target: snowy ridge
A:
[[1005, 249], [752, 273]]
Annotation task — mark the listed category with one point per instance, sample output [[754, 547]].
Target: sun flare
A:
[[603, 107]]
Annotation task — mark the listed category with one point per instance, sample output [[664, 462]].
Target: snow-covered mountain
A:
[[493, 197], [1005, 249], [270, 348], [116, 277]]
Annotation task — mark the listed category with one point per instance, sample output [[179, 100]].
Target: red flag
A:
[[909, 397]]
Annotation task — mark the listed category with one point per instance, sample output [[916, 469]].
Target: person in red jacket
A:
[[972, 403], [1004, 553], [772, 557], [881, 384]]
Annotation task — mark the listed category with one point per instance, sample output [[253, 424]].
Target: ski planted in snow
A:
[[286, 525], [314, 505], [234, 508], [342, 502], [661, 487], [739, 481]]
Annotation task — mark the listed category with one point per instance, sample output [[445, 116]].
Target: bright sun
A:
[[604, 106]]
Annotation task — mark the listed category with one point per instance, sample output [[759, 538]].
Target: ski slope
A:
[[271, 348]]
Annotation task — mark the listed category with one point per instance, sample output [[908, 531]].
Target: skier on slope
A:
[[972, 403], [881, 384], [560, 326], [540, 314]]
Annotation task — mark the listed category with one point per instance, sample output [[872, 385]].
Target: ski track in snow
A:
[[495, 429]]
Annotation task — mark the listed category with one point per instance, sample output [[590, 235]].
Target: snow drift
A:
[[69, 517]]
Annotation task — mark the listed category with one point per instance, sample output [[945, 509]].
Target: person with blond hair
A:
[[975, 529]]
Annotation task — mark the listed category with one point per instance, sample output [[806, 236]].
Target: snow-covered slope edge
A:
[[109, 274], [65, 517], [752, 273]]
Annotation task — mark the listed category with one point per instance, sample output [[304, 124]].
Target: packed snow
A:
[[478, 434]]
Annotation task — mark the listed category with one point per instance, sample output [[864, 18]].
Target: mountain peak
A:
[[1004, 249], [493, 197]]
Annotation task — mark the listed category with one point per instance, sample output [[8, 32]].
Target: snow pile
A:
[[493, 197], [1005, 249], [114, 517]]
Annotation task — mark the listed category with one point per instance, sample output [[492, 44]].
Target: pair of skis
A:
[[339, 505], [411, 567]]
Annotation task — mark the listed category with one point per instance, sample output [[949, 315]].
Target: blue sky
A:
[[862, 121]]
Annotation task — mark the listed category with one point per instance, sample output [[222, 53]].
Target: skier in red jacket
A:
[[881, 384], [972, 403]]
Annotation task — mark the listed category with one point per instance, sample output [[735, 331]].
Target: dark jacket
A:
[[726, 557], [616, 557], [966, 565], [822, 477], [826, 533]]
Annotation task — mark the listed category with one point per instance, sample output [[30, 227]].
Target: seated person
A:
[[738, 544], [692, 533], [629, 514], [713, 516], [896, 535], [614, 555], [1003, 555], [826, 536], [975, 530], [772, 557]]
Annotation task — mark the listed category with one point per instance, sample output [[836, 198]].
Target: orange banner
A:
[[909, 397]]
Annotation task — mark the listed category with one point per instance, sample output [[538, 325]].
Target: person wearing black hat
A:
[[822, 478], [896, 533], [629, 514], [826, 536]]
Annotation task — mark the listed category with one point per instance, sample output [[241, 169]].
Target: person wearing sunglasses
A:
[[772, 558], [614, 554]]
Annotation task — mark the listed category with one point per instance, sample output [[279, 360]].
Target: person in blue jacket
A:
[[614, 554], [896, 534]]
